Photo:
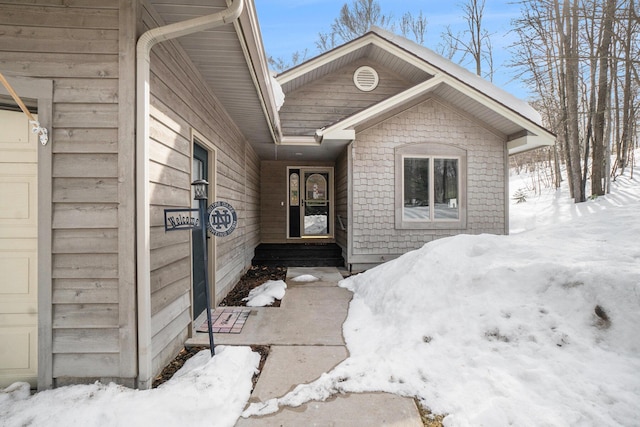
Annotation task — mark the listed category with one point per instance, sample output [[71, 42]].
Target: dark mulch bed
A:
[[256, 276]]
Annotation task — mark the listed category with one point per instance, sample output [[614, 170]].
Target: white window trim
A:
[[432, 151]]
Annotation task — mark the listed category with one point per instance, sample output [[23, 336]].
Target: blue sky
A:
[[293, 25]]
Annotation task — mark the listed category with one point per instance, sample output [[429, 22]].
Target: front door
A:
[[200, 171], [311, 202], [18, 249]]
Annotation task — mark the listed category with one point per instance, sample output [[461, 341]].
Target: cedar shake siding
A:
[[342, 199], [375, 236]]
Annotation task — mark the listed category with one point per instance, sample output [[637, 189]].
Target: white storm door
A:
[[18, 250]]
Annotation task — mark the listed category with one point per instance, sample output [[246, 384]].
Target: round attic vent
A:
[[365, 79]]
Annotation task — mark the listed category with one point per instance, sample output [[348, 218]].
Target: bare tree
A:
[[280, 64], [604, 89], [414, 27], [630, 29], [353, 21], [582, 58], [475, 41]]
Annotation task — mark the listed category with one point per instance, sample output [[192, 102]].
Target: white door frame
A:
[[197, 137]]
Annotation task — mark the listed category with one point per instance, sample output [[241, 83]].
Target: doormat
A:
[[226, 320]]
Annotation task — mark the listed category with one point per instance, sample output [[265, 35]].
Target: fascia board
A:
[[251, 41], [322, 60], [542, 136], [499, 108], [527, 143], [370, 39]]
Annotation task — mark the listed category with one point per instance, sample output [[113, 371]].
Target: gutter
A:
[[143, 247]]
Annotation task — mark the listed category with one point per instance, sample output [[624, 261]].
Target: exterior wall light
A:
[[200, 189]]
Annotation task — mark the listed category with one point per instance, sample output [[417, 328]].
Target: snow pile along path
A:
[[266, 293], [206, 391], [540, 328]]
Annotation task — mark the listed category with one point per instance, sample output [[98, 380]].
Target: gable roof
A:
[[433, 75]]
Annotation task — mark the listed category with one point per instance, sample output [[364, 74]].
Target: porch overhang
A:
[[232, 61]]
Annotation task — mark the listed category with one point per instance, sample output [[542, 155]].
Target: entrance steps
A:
[[298, 255]]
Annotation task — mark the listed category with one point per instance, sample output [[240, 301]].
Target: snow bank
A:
[[540, 328], [206, 391]]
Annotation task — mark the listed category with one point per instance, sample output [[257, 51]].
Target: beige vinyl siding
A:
[[334, 97], [273, 191], [77, 46], [180, 103], [375, 238], [252, 204]]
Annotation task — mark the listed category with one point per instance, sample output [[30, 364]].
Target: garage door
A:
[[18, 250]]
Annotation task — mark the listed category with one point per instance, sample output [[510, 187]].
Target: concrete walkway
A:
[[305, 335]]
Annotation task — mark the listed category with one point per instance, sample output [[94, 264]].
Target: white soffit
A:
[[221, 58]]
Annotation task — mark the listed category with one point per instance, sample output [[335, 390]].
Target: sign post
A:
[[200, 190], [219, 218]]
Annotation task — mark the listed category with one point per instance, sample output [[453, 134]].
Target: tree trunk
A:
[[568, 28], [604, 89]]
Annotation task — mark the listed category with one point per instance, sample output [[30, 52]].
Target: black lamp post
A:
[[200, 190]]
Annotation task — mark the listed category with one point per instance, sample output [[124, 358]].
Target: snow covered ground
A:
[[540, 328]]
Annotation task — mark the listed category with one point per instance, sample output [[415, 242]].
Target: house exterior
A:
[[380, 146]]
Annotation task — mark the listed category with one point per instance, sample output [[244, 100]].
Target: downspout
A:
[[144, 46]]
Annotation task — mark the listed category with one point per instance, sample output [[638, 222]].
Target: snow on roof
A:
[[456, 71]]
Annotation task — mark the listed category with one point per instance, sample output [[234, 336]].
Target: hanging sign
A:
[[221, 219], [181, 219]]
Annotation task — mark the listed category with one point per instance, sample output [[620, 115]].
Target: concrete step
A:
[[299, 255]]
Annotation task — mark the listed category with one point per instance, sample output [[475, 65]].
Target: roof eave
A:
[[534, 135], [248, 30]]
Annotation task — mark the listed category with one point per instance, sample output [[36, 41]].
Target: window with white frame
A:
[[430, 190]]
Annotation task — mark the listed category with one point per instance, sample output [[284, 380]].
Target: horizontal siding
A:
[[60, 17], [84, 340], [76, 44], [82, 291], [89, 315], [81, 241], [86, 365], [180, 102], [273, 190], [334, 97], [84, 141]]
